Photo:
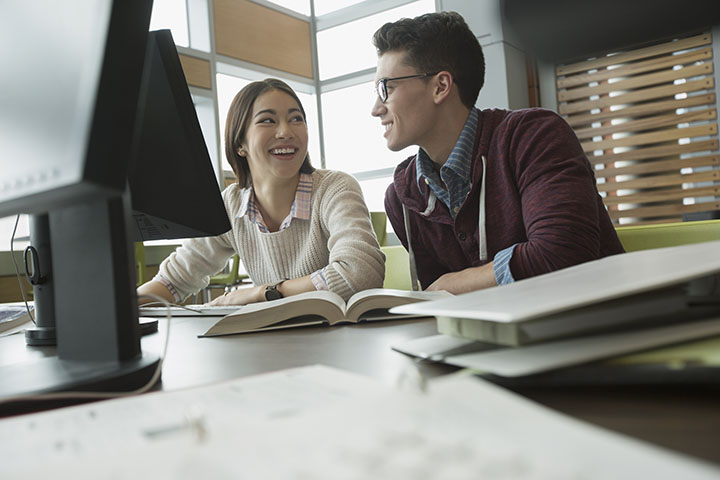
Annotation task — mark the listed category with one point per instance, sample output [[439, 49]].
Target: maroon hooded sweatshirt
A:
[[540, 194]]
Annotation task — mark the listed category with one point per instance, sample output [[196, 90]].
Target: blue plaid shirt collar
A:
[[457, 170]]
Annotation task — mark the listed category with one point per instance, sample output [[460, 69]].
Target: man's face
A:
[[407, 113]]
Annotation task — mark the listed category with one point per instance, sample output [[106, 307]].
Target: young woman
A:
[[295, 228]]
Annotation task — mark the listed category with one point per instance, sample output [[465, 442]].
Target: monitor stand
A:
[[96, 314], [38, 268]]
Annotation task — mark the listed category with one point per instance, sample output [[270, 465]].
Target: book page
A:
[[321, 303], [384, 299], [190, 310]]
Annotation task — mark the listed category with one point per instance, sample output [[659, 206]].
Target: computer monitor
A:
[[79, 117], [173, 186]]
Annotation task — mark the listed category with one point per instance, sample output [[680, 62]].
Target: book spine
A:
[[493, 332]]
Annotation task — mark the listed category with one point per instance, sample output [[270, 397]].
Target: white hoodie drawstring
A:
[[482, 236]]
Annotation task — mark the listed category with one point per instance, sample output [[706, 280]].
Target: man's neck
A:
[[441, 139]]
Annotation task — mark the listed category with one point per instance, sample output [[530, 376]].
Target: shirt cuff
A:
[[501, 266], [318, 279], [170, 287]]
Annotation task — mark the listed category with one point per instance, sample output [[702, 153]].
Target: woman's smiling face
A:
[[277, 138]]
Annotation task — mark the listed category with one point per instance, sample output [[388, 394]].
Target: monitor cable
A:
[[17, 270]]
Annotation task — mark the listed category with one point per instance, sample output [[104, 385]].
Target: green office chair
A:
[[379, 223], [644, 237], [225, 280], [397, 268], [140, 262]]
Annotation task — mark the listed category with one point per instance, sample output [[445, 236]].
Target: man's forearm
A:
[[468, 280]]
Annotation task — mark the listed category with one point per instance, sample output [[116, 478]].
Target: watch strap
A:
[[272, 292]]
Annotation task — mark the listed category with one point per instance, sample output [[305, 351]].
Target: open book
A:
[[320, 307]]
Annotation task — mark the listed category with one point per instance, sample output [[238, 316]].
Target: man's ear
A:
[[442, 86]]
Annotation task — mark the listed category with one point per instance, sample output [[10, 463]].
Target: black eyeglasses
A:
[[381, 85]]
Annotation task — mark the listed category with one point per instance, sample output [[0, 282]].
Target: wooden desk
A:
[[683, 419], [363, 349]]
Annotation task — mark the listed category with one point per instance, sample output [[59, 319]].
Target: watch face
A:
[[271, 293]]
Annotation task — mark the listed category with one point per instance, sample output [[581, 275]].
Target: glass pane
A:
[[374, 194], [326, 6], [309, 103], [348, 48], [300, 6], [7, 224], [228, 86], [206, 116], [353, 138], [173, 15]]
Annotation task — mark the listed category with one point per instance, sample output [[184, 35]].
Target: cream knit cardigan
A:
[[338, 236]]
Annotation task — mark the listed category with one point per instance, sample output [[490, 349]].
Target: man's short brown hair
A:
[[435, 42]]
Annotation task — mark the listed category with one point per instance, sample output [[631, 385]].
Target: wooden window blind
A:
[[647, 121]]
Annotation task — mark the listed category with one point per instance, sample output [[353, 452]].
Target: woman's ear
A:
[[242, 152], [442, 86]]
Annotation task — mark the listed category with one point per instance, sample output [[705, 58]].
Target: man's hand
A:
[[241, 296], [468, 280]]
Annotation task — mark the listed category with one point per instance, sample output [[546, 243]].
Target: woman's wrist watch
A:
[[272, 292]]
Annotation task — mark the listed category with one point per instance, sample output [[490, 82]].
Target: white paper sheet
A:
[[320, 423], [608, 278]]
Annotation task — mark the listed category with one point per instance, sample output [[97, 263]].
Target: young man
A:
[[492, 196]]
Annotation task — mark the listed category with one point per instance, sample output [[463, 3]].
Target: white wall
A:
[[505, 68], [546, 81]]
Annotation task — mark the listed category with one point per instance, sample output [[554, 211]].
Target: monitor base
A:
[[51, 375]]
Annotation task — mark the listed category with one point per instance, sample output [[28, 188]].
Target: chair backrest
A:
[[140, 262], [379, 223], [231, 277], [397, 269], [645, 237]]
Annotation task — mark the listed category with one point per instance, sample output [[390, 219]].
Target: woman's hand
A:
[[241, 296]]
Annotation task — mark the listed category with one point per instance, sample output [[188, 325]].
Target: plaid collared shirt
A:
[[455, 172], [300, 209]]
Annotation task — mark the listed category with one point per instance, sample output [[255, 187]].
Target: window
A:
[[353, 138], [171, 14], [299, 6], [348, 47], [326, 6], [7, 224], [208, 124], [374, 194], [227, 87]]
